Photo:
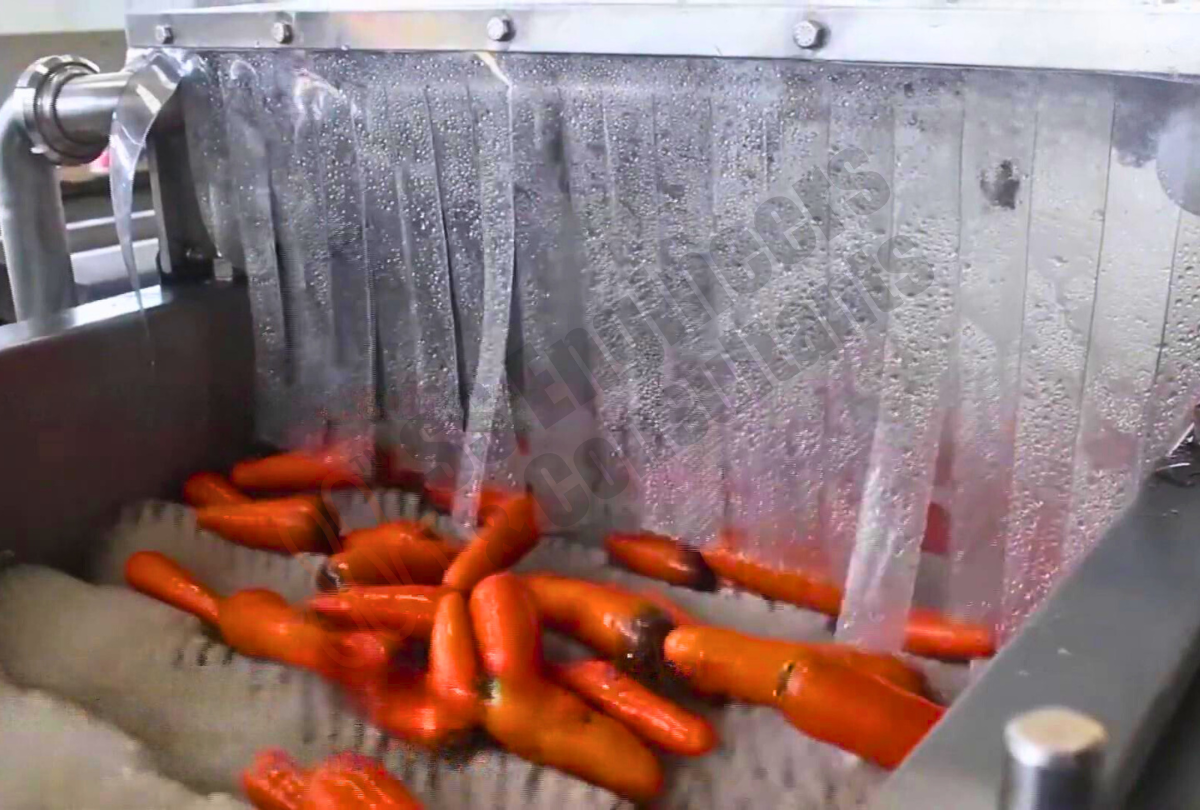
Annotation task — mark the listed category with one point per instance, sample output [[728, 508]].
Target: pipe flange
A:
[[37, 91]]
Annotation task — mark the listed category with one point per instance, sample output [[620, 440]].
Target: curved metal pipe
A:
[[61, 112], [32, 222]]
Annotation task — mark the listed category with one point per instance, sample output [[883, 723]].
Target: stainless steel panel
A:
[[1116, 640], [105, 407], [1122, 37]]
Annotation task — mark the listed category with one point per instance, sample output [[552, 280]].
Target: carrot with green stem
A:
[[287, 525], [652, 717], [211, 489]]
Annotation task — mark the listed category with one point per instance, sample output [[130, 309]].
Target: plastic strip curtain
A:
[[923, 329]]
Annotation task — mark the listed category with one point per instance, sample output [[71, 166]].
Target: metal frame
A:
[[1118, 639], [1113, 38]]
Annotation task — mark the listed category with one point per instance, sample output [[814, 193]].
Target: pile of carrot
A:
[[344, 781], [398, 593]]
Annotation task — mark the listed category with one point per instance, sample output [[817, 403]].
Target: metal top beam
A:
[[1113, 38]]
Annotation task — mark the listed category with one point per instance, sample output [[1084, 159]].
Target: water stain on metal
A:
[[1001, 188]]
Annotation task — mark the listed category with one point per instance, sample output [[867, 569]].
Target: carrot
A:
[[403, 704], [619, 625], [160, 577], [275, 781], [355, 657], [653, 718], [209, 489], [854, 711], [261, 624], [506, 538], [355, 782], [719, 661], [661, 557], [442, 497], [935, 636], [506, 625], [806, 589], [288, 525], [302, 470], [402, 552], [405, 610], [548, 725], [453, 670]]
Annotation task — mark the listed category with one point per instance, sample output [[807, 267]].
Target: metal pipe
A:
[[60, 113], [1053, 762], [32, 222]]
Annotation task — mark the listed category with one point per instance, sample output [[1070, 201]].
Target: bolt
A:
[[165, 34], [809, 34], [500, 29], [282, 32]]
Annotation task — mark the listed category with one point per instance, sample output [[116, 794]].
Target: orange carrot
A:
[[619, 625], [857, 712], [652, 717], [403, 552], [506, 625], [261, 624], [404, 705], [453, 670], [442, 497], [660, 557], [548, 725], [301, 470], [506, 538], [806, 589], [160, 577], [210, 489], [355, 782], [405, 610], [935, 636], [275, 781], [719, 661], [288, 525]]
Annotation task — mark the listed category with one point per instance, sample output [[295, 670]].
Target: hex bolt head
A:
[[282, 32], [500, 29], [809, 34], [164, 34]]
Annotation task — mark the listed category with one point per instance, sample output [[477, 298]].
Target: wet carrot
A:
[[719, 661], [160, 577], [355, 782], [807, 589], [548, 725], [287, 525], [935, 636], [405, 610], [210, 489], [509, 534], [854, 711], [674, 612], [404, 705], [507, 630], [660, 557], [442, 497], [260, 623], [619, 625], [333, 467], [275, 781], [453, 669], [402, 552], [355, 657], [652, 717]]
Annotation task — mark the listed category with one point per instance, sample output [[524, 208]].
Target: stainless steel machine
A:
[[824, 274]]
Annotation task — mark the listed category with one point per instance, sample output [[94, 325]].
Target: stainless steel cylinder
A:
[[1053, 762]]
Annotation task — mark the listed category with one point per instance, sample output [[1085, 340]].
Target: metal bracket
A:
[[1182, 465]]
